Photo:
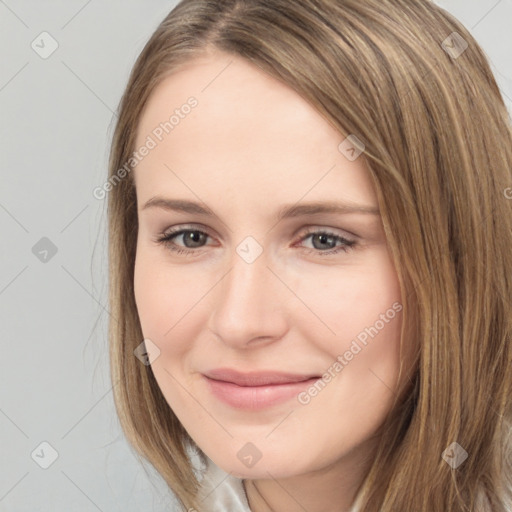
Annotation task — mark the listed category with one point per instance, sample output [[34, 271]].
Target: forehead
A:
[[246, 127], [232, 94]]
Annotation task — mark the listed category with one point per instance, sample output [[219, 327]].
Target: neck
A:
[[331, 488]]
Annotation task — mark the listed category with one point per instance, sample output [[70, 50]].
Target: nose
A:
[[249, 304]]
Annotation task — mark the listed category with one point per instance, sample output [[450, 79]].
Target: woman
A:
[[310, 244]]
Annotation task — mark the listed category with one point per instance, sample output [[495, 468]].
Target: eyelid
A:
[[188, 227], [314, 228], [304, 231]]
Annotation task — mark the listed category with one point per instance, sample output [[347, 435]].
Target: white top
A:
[[221, 492]]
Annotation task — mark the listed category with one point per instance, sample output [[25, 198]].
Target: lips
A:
[[263, 378], [255, 391]]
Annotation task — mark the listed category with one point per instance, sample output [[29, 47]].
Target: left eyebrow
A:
[[287, 211], [297, 210]]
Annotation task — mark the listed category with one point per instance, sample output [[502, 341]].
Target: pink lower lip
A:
[[256, 397]]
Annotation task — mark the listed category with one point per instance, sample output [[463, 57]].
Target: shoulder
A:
[[221, 491]]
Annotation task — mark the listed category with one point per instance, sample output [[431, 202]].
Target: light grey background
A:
[[56, 124]]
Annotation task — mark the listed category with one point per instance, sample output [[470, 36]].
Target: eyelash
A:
[[166, 240]]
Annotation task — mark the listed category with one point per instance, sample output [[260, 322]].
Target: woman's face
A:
[[275, 306]]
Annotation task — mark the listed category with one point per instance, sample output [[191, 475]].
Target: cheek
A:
[[163, 297], [351, 302], [364, 309]]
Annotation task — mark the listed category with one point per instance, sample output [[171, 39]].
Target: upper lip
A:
[[258, 378]]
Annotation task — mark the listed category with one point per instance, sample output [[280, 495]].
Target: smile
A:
[[256, 390]]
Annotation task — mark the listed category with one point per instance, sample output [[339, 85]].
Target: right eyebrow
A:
[[179, 205]]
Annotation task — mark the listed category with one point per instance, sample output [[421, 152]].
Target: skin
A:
[[251, 146]]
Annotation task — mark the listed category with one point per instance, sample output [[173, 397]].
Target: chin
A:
[[279, 465]]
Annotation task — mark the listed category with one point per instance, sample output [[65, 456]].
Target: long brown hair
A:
[[410, 82]]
